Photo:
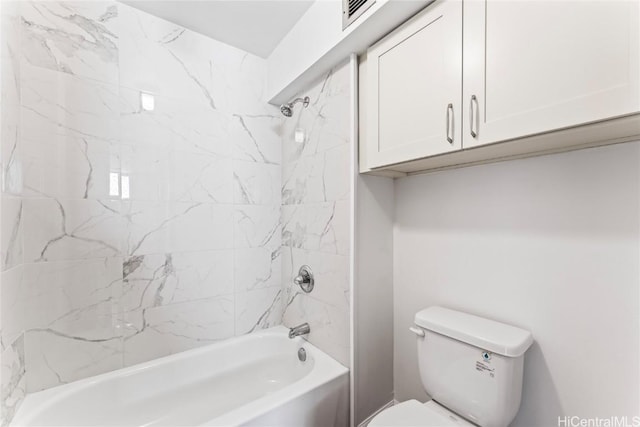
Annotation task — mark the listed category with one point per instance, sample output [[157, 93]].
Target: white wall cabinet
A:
[[415, 87], [525, 68], [538, 66]]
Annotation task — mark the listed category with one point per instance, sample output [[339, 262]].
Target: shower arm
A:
[[305, 102]]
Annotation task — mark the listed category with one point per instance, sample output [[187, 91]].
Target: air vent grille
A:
[[354, 5], [352, 9]]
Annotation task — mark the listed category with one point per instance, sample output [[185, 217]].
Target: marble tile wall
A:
[[130, 234], [315, 213], [12, 342]]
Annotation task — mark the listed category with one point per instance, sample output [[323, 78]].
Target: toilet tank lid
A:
[[483, 333]]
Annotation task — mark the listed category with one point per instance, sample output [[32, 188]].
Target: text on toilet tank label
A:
[[485, 368]]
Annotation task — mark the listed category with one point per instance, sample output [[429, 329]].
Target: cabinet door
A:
[[536, 66], [415, 88]]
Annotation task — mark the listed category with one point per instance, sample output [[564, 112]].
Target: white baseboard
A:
[[366, 422]]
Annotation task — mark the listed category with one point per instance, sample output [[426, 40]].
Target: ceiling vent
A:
[[352, 9]]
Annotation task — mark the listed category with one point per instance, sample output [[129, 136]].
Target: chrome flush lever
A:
[[419, 332]]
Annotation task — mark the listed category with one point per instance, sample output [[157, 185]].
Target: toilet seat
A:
[[416, 414]]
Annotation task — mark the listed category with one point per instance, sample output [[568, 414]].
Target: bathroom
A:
[[231, 212]]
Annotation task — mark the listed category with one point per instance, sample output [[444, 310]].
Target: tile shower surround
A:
[[128, 234], [315, 213]]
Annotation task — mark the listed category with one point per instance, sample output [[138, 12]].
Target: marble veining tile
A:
[[315, 213], [256, 268], [57, 104], [302, 181], [147, 226], [332, 107], [326, 122], [330, 227], [162, 279], [11, 232], [258, 309], [69, 313], [164, 330], [239, 81], [10, 147], [53, 359], [165, 227], [12, 175], [10, 108], [174, 123], [320, 227], [336, 177], [151, 60], [296, 181], [329, 325], [257, 226], [73, 299], [288, 266], [11, 151], [10, 21], [163, 174], [291, 149], [164, 58], [69, 167], [257, 138], [71, 229], [330, 271], [256, 184], [147, 170], [10, 99], [13, 377], [11, 317], [294, 226], [71, 37], [322, 177], [200, 177], [208, 226]]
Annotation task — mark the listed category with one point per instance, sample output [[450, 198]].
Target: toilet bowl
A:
[[417, 414]]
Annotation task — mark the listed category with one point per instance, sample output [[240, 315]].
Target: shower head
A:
[[287, 109]]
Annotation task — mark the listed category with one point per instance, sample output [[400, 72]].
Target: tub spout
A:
[[299, 330]]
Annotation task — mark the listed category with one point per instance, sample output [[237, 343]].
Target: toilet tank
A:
[[471, 365]]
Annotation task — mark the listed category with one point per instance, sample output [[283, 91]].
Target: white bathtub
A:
[[253, 380]]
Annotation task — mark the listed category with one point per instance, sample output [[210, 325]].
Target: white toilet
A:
[[470, 366]]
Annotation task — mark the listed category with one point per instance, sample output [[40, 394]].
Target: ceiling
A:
[[256, 26]]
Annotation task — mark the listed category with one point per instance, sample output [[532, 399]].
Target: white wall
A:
[[373, 293], [550, 244]]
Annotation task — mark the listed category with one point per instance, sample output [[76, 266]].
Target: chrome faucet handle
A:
[[304, 279]]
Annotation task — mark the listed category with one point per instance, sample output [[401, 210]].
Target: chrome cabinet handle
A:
[[450, 123], [473, 100]]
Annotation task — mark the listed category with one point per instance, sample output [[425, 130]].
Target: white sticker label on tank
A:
[[485, 369], [484, 366]]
